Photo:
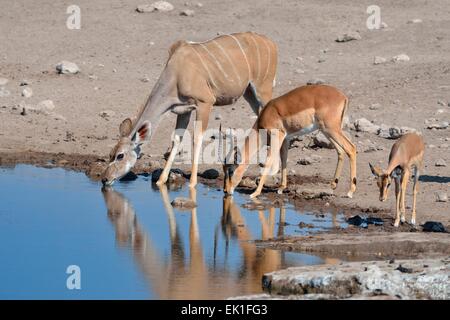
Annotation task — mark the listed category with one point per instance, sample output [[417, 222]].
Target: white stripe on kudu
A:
[[268, 59], [215, 59], [229, 60], [205, 66], [259, 57], [243, 52]]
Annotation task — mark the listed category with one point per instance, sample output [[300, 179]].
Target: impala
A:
[[197, 76], [406, 155], [298, 112]]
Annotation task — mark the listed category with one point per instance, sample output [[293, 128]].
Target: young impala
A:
[[406, 155], [298, 112]]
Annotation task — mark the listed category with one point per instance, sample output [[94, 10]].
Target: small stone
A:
[[315, 81], [401, 57], [67, 67], [106, 114], [24, 112], [299, 71], [384, 25], [163, 6], [321, 60], [379, 60], [210, 174], [318, 193], [433, 226], [92, 77], [364, 125], [441, 103], [3, 81], [143, 8], [187, 13], [199, 4], [46, 105], [302, 225], [441, 196], [414, 21], [349, 37], [247, 182], [24, 83], [321, 141], [27, 92], [438, 126], [218, 117], [440, 163], [183, 203], [388, 132], [145, 79]]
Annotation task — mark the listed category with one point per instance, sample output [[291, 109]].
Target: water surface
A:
[[129, 242]]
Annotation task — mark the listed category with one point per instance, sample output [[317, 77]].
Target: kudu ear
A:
[[125, 127], [375, 170], [143, 133]]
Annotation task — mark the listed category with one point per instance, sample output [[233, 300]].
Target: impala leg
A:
[[397, 201], [283, 155], [341, 139], [202, 118], [405, 179], [415, 187], [180, 128], [340, 162], [273, 150]]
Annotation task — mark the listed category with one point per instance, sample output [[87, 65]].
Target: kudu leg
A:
[[202, 117], [180, 128]]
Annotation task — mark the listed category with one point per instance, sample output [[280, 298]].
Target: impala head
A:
[[126, 152], [230, 163], [383, 181]]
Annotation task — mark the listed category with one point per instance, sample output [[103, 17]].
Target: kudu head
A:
[[383, 181], [231, 160], [126, 152]]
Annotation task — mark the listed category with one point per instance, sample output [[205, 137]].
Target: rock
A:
[[24, 111], [349, 37], [162, 6], [183, 203], [24, 83], [414, 21], [389, 132], [3, 81], [106, 114], [210, 174], [438, 126], [299, 71], [247, 182], [176, 176], [441, 196], [315, 81], [364, 280], [384, 25], [130, 176], [145, 79], [272, 181], [143, 8], [321, 141], [374, 106], [218, 117], [305, 225], [27, 92], [199, 4], [309, 160], [379, 60], [433, 226], [314, 193], [401, 57], [45, 105], [440, 163], [187, 13], [67, 67], [364, 125], [364, 222]]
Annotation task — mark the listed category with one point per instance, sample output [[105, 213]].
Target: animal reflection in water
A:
[[193, 277]]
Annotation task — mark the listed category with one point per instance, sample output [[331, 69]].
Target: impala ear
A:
[[375, 170], [143, 133], [125, 127]]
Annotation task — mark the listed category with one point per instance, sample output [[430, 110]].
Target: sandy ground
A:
[[117, 47]]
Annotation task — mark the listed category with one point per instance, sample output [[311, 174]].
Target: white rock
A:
[[440, 163], [299, 71], [414, 21], [401, 57], [145, 79], [364, 125], [441, 196], [187, 13], [145, 8], [384, 25], [67, 67], [3, 81], [27, 92], [163, 6], [46, 105], [349, 37], [321, 141], [379, 60], [388, 132], [374, 106]]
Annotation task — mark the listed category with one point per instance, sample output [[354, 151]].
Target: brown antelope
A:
[[406, 155], [298, 112], [197, 76]]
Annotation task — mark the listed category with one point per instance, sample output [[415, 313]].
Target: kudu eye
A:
[[119, 156]]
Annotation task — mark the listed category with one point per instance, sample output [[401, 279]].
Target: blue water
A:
[[129, 243]]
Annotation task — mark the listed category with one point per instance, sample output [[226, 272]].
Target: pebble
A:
[[349, 37], [321, 141], [3, 81], [364, 125], [440, 163], [145, 79], [106, 114], [183, 203], [67, 67], [441, 196], [379, 60], [414, 21], [218, 117], [187, 13], [401, 57], [315, 81], [162, 6], [27, 92]]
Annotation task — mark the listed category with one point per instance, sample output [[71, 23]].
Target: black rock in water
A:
[[210, 174], [130, 176]]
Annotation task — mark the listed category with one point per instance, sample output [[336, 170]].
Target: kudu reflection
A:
[[192, 275]]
